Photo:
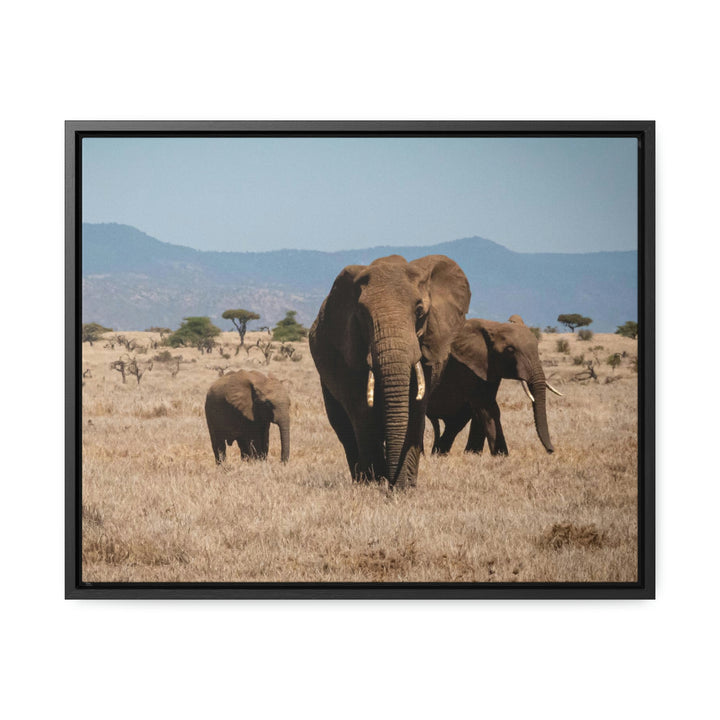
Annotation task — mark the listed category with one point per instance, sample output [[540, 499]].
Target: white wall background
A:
[[375, 60]]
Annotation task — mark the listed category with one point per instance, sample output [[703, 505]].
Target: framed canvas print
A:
[[360, 359]]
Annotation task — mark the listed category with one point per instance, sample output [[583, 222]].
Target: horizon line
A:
[[350, 250]]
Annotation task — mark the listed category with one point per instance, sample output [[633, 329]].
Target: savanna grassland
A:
[[155, 508]]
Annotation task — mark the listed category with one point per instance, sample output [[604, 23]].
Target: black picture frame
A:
[[643, 131]]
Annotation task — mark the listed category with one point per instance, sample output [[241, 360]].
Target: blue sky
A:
[[528, 194]]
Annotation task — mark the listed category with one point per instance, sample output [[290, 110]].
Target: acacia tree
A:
[[629, 330], [240, 318], [92, 332], [574, 320]]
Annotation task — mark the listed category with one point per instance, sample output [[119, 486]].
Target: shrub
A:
[[550, 329], [194, 332], [614, 360], [289, 329], [578, 359], [585, 335], [536, 332], [562, 346]]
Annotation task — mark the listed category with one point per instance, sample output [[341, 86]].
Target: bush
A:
[[562, 346], [194, 332], [550, 329], [585, 335], [289, 329], [164, 356], [578, 359], [614, 360], [536, 332]]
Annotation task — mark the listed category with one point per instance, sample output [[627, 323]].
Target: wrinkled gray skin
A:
[[386, 317], [240, 406], [483, 353]]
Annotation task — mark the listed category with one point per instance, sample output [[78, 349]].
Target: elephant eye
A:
[[419, 318]]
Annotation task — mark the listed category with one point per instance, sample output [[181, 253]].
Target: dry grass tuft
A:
[[563, 534]]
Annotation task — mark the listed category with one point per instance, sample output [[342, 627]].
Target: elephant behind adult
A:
[[240, 407], [380, 342], [483, 353]]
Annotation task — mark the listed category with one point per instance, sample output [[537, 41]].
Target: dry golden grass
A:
[[156, 508]]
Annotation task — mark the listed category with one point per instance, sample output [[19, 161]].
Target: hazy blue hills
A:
[[132, 281]]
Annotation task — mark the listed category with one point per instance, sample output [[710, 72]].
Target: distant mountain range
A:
[[131, 281]]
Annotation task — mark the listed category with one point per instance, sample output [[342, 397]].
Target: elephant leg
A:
[[453, 425], [371, 456], [477, 435], [257, 441], [493, 426], [218, 446], [247, 447], [340, 423], [264, 440]]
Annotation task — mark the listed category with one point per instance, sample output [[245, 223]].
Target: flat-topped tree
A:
[[240, 318], [92, 332], [629, 330], [574, 320]]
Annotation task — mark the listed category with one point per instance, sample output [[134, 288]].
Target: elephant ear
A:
[[239, 393], [471, 348], [449, 293], [334, 324]]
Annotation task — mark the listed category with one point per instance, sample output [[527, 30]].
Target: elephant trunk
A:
[[538, 386], [394, 368], [284, 425]]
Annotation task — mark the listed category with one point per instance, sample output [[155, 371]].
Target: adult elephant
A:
[[483, 353], [380, 343], [240, 406]]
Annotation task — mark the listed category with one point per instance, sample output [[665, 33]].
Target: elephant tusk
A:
[[420, 381], [527, 391], [371, 389], [552, 389]]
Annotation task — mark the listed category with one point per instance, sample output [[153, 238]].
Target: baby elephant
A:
[[240, 407]]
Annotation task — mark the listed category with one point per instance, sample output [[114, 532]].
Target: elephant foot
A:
[[367, 477]]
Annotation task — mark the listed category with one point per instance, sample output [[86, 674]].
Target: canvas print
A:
[[359, 359]]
